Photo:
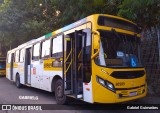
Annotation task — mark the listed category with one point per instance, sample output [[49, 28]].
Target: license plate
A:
[[133, 93]]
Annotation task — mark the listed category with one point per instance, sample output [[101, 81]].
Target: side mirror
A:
[[96, 44]]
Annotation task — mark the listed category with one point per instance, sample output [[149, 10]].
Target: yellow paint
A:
[[8, 65], [15, 65], [103, 95], [2, 72], [48, 65], [68, 39]]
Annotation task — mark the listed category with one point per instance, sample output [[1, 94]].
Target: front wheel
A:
[[60, 96], [18, 84]]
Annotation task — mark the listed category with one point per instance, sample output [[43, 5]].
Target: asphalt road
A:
[[10, 94]]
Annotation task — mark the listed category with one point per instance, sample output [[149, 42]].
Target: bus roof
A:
[[82, 21], [75, 24]]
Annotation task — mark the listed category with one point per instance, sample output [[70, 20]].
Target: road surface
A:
[[10, 94]]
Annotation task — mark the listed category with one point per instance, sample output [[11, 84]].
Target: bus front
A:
[[118, 74]]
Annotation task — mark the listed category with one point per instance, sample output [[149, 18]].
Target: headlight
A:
[[101, 81], [110, 85], [106, 84]]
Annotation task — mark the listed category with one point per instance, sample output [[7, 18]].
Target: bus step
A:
[[79, 96], [67, 92], [28, 85]]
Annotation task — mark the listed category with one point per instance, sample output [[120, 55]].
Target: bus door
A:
[[46, 73], [74, 65], [86, 66], [36, 66], [28, 66], [11, 66]]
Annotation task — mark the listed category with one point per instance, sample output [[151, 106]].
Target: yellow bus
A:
[[96, 59], [2, 66]]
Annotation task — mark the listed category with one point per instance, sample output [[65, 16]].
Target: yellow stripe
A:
[[15, 65], [8, 66], [48, 65]]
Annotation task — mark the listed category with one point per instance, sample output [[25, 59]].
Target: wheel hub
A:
[[59, 91]]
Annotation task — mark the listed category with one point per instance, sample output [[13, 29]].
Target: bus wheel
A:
[[59, 95], [18, 84]]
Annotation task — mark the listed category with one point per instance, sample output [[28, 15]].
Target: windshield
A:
[[119, 50], [2, 64]]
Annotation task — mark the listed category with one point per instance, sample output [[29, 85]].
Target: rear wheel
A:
[[18, 84], [60, 96]]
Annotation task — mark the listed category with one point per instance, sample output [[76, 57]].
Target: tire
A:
[[18, 84], [59, 95]]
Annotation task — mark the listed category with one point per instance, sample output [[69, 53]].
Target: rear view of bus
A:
[[118, 74], [2, 66]]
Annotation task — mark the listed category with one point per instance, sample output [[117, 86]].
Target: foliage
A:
[[73, 10], [144, 12], [23, 20]]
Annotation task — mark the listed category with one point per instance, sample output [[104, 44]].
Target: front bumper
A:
[[103, 95]]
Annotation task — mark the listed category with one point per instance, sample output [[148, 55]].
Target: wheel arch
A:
[[55, 78], [17, 74]]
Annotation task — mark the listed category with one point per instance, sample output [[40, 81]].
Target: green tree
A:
[[21, 21], [73, 10], [144, 12]]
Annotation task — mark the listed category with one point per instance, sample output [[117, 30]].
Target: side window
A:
[[45, 49], [36, 51], [9, 58], [57, 47], [17, 56], [21, 55]]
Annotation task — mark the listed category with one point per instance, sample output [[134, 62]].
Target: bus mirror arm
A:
[[96, 43]]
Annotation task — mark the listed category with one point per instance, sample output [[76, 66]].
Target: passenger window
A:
[[36, 51], [57, 47], [17, 56], [45, 49], [21, 55]]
